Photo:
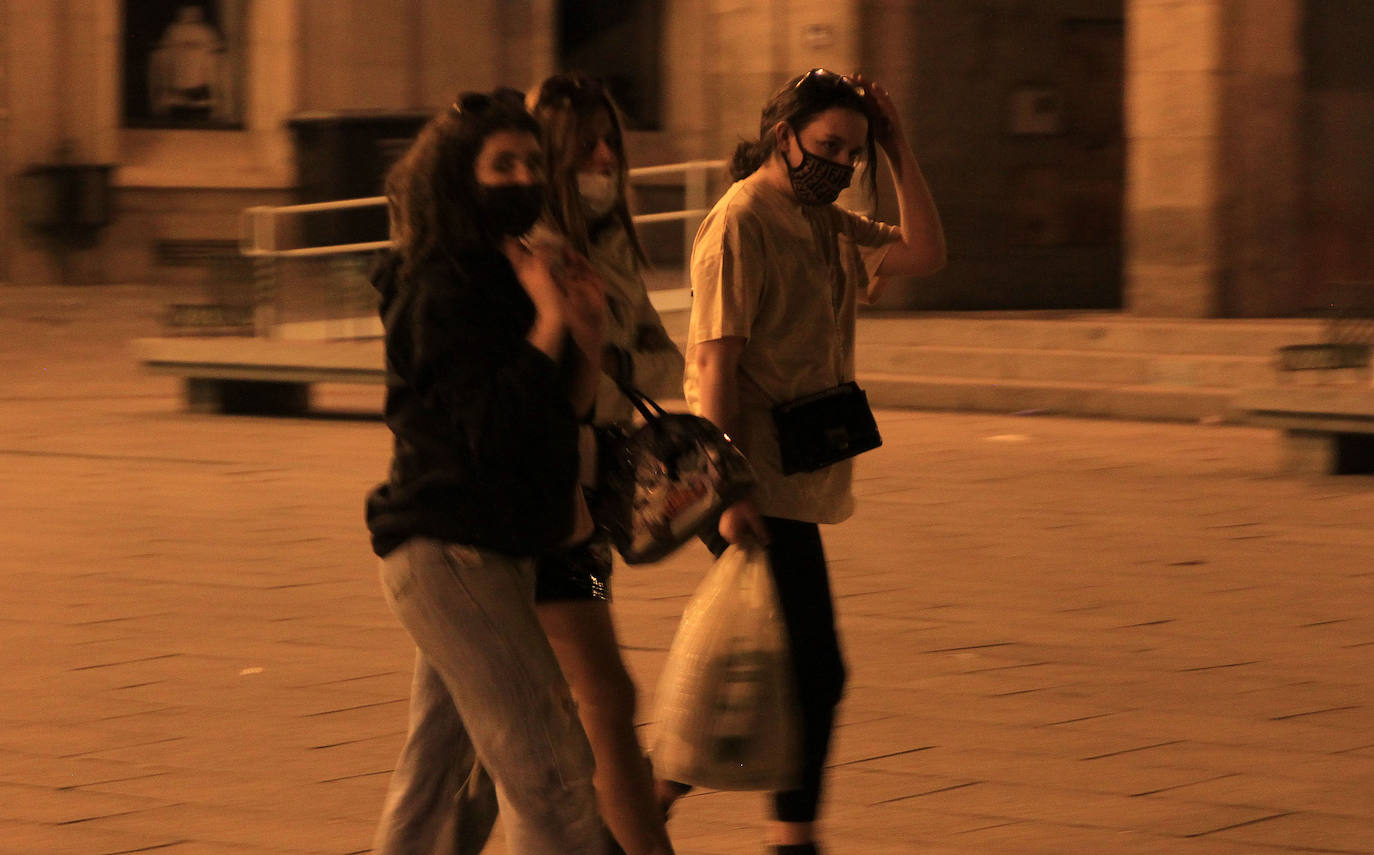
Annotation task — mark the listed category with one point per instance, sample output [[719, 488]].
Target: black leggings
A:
[[797, 561]]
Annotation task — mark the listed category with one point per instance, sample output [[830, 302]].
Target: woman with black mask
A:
[[488, 376], [777, 271]]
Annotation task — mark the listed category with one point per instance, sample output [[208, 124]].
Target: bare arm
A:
[[570, 306], [921, 249], [717, 364]]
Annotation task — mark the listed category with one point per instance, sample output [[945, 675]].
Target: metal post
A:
[[262, 235], [264, 295]]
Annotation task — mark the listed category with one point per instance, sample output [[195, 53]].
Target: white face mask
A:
[[599, 192]]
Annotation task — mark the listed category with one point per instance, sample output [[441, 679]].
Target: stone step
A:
[[1143, 403], [1098, 365], [1088, 331], [1084, 366]]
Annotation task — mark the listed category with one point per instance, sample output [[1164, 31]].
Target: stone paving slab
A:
[[1064, 636]]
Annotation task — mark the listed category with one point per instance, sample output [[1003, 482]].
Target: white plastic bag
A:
[[725, 712]]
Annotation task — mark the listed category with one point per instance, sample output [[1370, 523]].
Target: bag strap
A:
[[647, 406]]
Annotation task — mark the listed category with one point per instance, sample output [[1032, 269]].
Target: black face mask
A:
[[510, 209], [817, 181]]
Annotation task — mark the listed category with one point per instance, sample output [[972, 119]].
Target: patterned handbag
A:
[[665, 481]]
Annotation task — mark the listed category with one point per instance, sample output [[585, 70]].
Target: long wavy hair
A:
[[798, 103], [566, 106], [432, 192]]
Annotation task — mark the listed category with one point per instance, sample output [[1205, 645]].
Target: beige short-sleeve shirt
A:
[[786, 278]]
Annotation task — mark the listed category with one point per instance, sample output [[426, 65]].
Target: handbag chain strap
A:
[[647, 406]]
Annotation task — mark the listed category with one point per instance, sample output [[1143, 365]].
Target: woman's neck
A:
[[773, 172]]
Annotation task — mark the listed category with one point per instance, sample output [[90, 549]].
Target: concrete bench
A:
[[258, 375], [1327, 429], [1323, 399]]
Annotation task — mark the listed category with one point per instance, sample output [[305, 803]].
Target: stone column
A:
[[7, 213], [38, 120], [1212, 116]]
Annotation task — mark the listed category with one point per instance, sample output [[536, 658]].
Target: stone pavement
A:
[[1064, 636]]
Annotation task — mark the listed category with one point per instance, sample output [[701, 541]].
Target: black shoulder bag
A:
[[825, 427]]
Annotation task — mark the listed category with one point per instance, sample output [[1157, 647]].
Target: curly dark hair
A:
[[565, 106], [798, 103], [432, 193]]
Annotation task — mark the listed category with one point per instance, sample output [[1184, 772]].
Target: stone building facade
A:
[[1190, 158]]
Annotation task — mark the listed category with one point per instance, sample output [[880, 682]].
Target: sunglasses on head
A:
[[824, 77], [568, 88], [477, 103]]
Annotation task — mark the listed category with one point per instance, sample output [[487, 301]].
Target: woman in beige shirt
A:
[[777, 271]]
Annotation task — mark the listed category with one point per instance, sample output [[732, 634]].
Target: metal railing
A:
[[260, 229]]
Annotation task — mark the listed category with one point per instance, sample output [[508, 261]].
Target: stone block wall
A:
[[1024, 212], [68, 94], [175, 185], [1241, 163]]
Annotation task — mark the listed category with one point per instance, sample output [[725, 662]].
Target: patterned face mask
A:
[[817, 181]]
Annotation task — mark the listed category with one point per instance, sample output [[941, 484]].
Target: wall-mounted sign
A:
[[816, 36]]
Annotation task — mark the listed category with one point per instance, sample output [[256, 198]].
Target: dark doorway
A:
[[5, 212], [1338, 239], [1094, 79], [618, 41]]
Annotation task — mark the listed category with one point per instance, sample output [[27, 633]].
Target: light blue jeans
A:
[[488, 698]]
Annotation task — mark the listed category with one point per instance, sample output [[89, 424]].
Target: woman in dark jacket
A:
[[487, 380]]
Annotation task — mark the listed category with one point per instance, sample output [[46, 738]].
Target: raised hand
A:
[[887, 127], [535, 277], [550, 314], [584, 299]]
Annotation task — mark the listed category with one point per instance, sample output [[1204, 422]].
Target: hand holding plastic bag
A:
[[725, 709]]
